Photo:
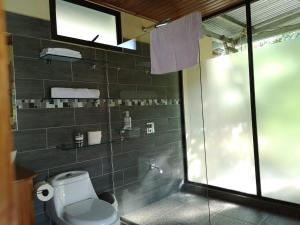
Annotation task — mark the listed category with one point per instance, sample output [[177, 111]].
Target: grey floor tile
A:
[[223, 220], [152, 213], [243, 213], [279, 220], [190, 209]]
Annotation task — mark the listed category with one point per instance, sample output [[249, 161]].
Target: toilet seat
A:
[[90, 212]]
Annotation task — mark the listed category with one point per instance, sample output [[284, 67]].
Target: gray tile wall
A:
[[126, 75]]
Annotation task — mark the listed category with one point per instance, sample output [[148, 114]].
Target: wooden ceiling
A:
[[160, 10]]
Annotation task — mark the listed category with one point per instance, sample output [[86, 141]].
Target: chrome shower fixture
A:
[[153, 166]]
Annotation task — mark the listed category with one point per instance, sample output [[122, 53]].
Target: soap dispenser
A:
[[127, 121]]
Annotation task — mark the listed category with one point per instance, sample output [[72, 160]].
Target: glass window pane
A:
[[228, 127], [83, 23], [277, 86], [226, 105]]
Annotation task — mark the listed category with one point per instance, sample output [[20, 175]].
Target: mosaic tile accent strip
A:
[[88, 103]]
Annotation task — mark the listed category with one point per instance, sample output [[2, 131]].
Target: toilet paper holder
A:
[[43, 191]]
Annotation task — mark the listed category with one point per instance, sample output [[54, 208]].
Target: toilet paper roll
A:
[[44, 191], [94, 137]]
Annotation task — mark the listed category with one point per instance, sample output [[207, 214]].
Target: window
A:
[[225, 138], [85, 23]]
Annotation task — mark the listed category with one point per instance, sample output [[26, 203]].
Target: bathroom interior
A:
[[100, 133]]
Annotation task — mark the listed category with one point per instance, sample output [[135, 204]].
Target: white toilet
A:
[[75, 202]]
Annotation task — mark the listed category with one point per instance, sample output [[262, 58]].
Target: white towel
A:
[[175, 46], [58, 92]]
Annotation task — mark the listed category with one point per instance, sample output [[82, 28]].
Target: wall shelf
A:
[[67, 147]]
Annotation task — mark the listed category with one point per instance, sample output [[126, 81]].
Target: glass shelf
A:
[[49, 58], [66, 147], [93, 62]]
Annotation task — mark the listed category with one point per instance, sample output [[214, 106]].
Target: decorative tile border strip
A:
[[88, 103]]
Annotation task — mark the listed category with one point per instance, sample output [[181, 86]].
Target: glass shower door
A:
[[217, 109]]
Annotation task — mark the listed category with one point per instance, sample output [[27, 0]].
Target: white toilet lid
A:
[[90, 212]]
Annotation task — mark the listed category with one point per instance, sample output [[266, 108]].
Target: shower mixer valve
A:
[[153, 166]]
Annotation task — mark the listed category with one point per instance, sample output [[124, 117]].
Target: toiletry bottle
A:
[[127, 121]]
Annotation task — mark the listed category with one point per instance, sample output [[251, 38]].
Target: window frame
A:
[[55, 36]]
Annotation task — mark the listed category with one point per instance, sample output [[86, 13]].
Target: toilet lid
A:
[[90, 212]]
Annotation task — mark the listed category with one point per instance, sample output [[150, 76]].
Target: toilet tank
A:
[[70, 187]]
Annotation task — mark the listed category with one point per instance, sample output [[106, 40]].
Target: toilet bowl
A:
[[75, 202]]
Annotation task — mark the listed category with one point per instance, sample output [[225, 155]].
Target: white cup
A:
[[94, 137]]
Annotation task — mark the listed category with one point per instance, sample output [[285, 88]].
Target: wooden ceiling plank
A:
[[158, 10]]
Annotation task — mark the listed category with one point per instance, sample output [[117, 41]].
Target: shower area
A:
[[241, 119]]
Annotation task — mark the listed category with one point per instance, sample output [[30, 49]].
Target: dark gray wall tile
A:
[[44, 159], [174, 123], [61, 136], [91, 115], [29, 89], [117, 147], [40, 69], [173, 92], [48, 84], [42, 175], [26, 46], [122, 91], [29, 140], [42, 219], [115, 114], [27, 26], [139, 113], [93, 167], [120, 60], [116, 128], [93, 152], [101, 55], [132, 174], [87, 71], [164, 111], [102, 183], [112, 75], [145, 49], [142, 63], [125, 160], [151, 92], [169, 79], [138, 144], [42, 118], [118, 178], [39, 206], [168, 137], [126, 76], [149, 112], [107, 165]]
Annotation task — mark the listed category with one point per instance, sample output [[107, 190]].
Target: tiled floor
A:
[[189, 209]]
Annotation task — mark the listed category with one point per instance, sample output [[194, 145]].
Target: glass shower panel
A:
[[228, 129], [277, 85], [276, 50], [220, 143], [193, 120]]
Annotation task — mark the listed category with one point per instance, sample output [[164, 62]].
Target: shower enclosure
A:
[[240, 103], [240, 119]]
